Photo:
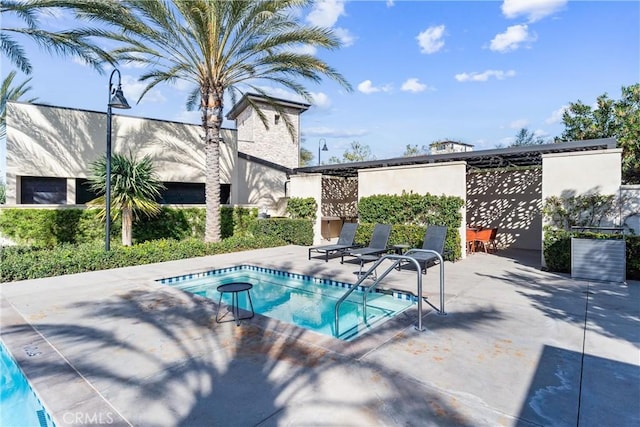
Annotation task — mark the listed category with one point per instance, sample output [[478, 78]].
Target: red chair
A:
[[471, 239], [486, 238]]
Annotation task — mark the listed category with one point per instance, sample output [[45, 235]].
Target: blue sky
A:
[[421, 71]]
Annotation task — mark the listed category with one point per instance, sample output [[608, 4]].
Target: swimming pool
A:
[[19, 405], [302, 300]]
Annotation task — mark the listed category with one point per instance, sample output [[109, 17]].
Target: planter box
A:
[[598, 259]]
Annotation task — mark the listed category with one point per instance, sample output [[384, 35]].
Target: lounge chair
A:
[[345, 241], [434, 239], [377, 245]]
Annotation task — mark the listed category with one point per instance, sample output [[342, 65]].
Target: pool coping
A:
[[50, 374]]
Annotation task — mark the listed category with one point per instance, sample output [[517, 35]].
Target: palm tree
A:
[[75, 42], [134, 189], [8, 92], [220, 46]]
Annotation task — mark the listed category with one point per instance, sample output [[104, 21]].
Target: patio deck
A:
[[518, 347]]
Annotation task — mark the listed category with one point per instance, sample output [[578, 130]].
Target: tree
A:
[[74, 42], [357, 152], [305, 156], [525, 137], [134, 189], [618, 119], [413, 150], [8, 92], [221, 47]]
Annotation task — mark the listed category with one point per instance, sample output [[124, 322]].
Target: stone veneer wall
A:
[[274, 144]]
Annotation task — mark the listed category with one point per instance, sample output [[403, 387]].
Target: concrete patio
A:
[[518, 347]]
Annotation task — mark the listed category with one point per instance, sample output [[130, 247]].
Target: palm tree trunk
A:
[[127, 225], [212, 122]]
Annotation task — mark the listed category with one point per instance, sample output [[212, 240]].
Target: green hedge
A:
[[409, 214], [411, 209], [557, 250], [292, 231], [51, 227], [21, 263], [412, 235], [302, 208]]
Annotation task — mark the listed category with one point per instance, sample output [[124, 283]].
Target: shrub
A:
[[51, 227], [292, 231], [408, 215], [302, 208], [21, 263], [412, 235]]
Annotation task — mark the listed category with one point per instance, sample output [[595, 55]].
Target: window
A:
[[43, 191], [277, 118], [182, 193], [190, 193], [84, 193]]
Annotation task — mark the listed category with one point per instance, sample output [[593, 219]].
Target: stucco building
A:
[[50, 150]]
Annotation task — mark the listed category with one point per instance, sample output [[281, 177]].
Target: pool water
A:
[[298, 299], [19, 406]]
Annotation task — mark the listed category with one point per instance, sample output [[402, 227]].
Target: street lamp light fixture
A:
[[116, 100], [322, 143]]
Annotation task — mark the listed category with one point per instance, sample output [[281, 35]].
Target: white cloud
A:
[[320, 100], [368, 87], [534, 10], [133, 88], [413, 85], [556, 116], [512, 38], [345, 36], [325, 13], [484, 76], [390, 3], [519, 124], [430, 40], [303, 49]]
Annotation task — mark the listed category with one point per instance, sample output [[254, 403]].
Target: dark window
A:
[[182, 193], [43, 191], [189, 193], [277, 118], [84, 193], [225, 193]]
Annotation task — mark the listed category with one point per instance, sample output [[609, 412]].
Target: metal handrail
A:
[[436, 253], [399, 259]]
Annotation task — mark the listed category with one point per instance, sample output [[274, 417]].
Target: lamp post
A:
[[324, 148], [116, 100]]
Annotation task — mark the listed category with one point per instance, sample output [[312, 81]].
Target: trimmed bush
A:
[[21, 263], [302, 208], [292, 231], [413, 235], [409, 214], [51, 227]]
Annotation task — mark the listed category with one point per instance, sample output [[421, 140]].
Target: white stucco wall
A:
[[260, 185], [579, 173], [582, 172], [44, 141], [309, 185], [437, 179]]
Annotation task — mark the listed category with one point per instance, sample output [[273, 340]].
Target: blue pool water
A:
[[19, 406], [302, 300]]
